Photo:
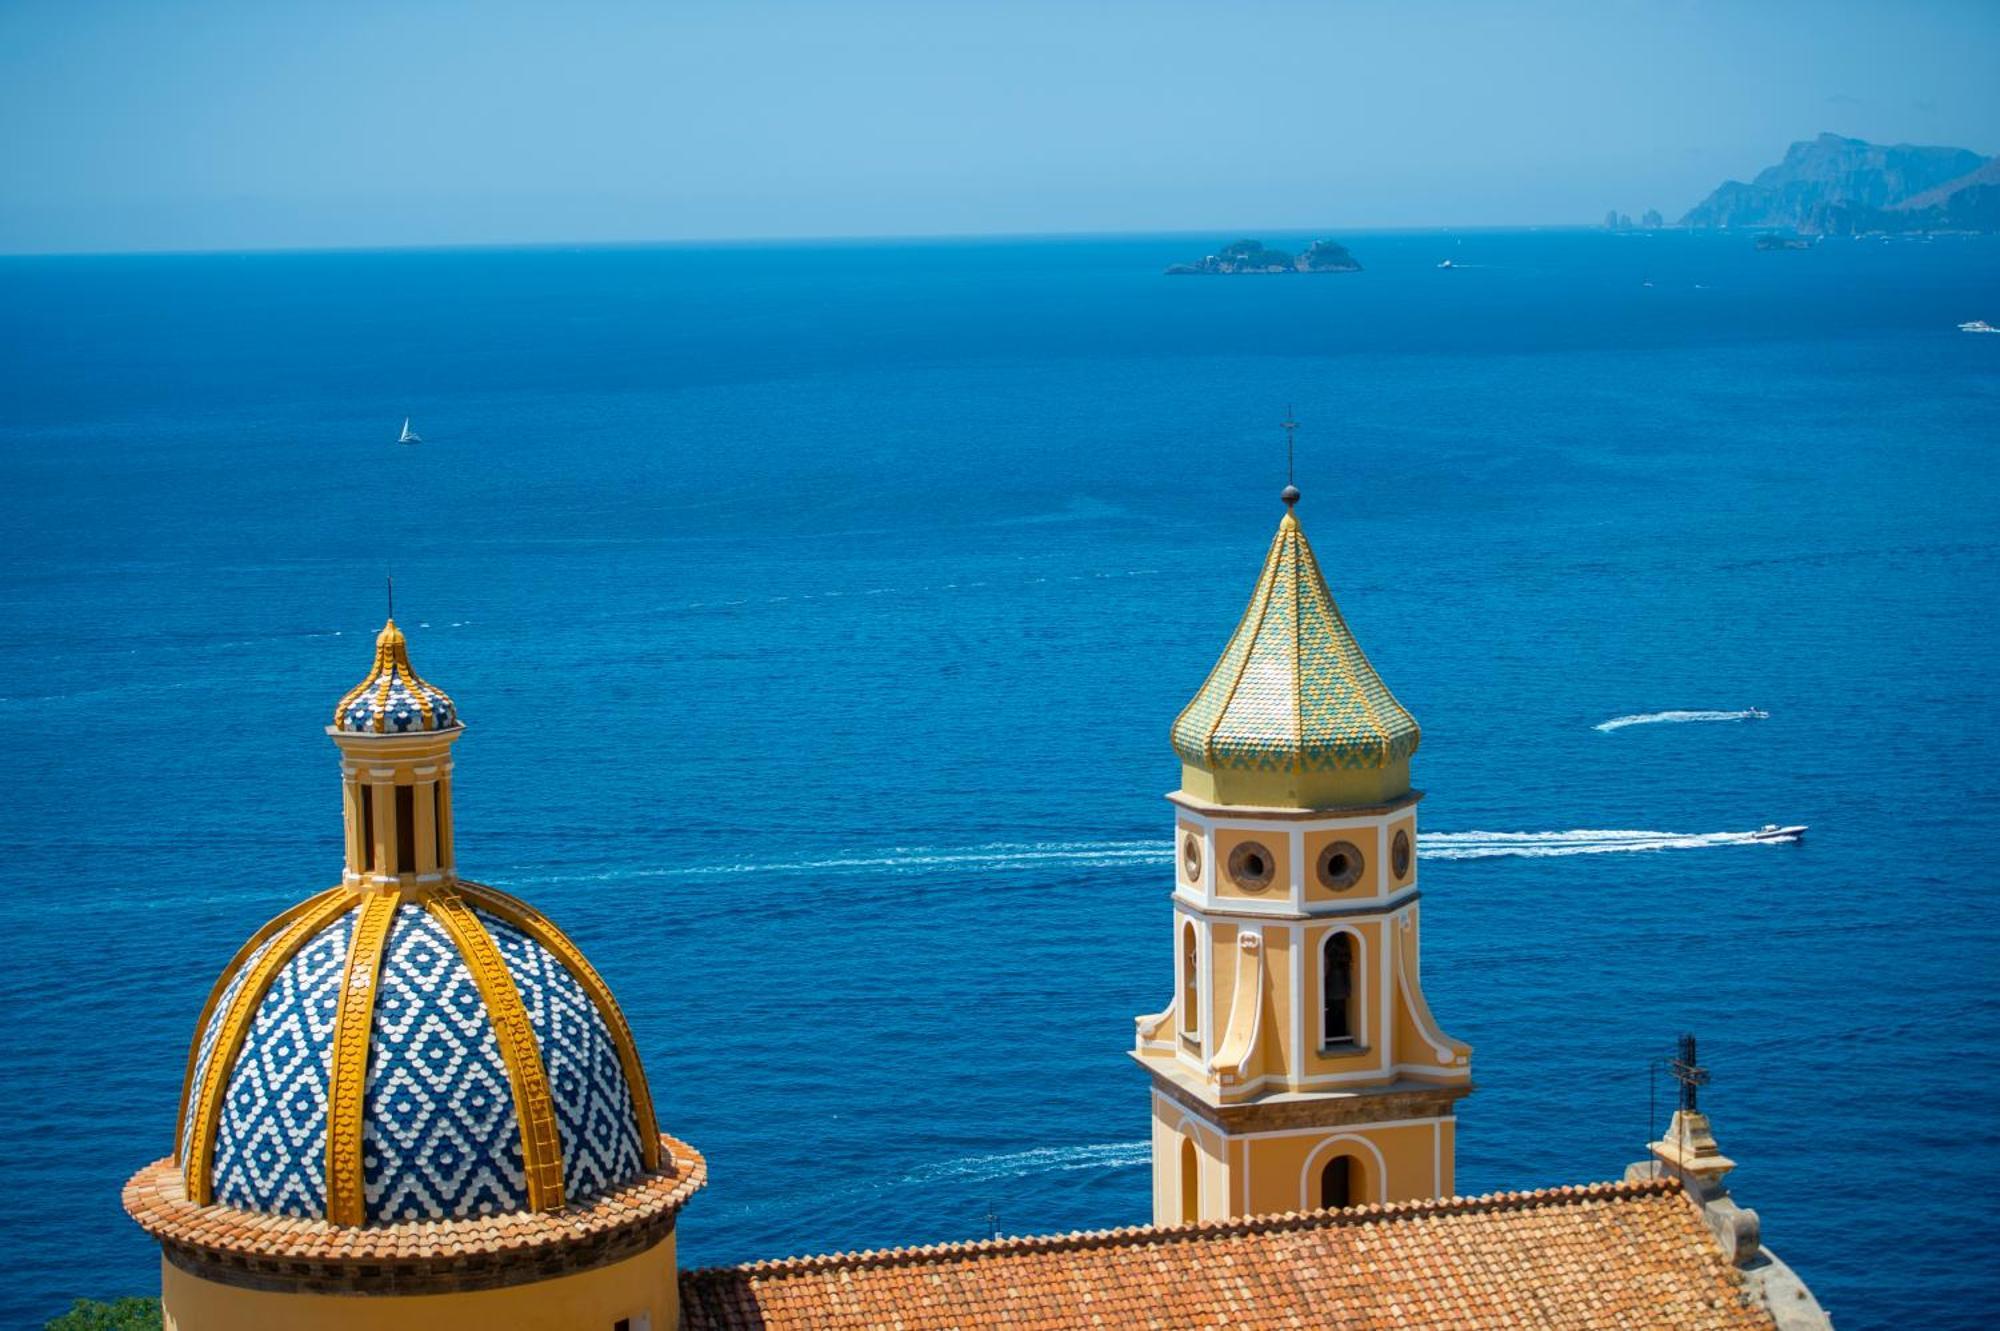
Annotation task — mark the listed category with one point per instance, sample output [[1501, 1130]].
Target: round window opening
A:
[[1399, 854], [1191, 857], [1340, 865], [1251, 866]]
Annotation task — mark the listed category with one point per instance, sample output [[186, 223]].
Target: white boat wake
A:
[[1052, 856], [1578, 841], [1043, 1160], [997, 856], [1679, 718]]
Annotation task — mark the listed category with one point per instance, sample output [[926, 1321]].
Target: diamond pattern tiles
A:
[[440, 1137], [1293, 689], [270, 1142], [394, 699], [399, 709], [212, 1030], [600, 1136]]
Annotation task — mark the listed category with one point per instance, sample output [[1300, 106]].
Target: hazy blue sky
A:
[[156, 125]]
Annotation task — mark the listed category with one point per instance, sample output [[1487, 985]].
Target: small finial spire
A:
[[391, 580], [1290, 494]]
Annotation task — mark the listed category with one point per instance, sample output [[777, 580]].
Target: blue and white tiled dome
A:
[[440, 1130], [394, 699]]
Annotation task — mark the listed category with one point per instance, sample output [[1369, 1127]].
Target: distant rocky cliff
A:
[[1836, 186]]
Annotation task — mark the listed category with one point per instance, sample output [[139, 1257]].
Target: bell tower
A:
[[1298, 1065]]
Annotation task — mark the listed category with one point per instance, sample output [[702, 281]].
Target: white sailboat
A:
[[409, 436]]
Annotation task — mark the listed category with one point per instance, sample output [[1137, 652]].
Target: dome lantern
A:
[[395, 730]]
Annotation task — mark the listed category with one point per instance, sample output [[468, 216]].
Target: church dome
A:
[[379, 1056], [1293, 691], [393, 699]]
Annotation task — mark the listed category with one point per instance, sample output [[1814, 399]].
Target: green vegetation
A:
[[1328, 256], [1253, 256], [134, 1314]]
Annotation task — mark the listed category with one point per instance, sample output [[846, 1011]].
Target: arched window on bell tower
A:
[[1336, 976], [1190, 981], [1190, 1182]]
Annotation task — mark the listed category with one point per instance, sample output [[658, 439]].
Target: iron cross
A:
[[1691, 1075]]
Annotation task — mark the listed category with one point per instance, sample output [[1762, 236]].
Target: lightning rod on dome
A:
[[1290, 425]]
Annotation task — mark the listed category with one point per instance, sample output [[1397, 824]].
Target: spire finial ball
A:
[[1290, 494]]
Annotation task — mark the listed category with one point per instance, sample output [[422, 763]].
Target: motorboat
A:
[[1446, 263], [1977, 326], [1773, 832]]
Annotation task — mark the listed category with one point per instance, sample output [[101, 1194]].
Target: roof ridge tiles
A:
[[1272, 1222]]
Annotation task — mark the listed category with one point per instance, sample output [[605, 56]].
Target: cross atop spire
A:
[[1690, 1074]]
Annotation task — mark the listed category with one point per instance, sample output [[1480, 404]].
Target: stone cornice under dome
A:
[[254, 1250]]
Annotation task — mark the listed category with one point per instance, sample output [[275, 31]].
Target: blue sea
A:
[[818, 613]]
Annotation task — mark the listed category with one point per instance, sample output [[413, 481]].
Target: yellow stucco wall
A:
[[1363, 840], [1169, 1132], [1274, 844], [1255, 1175], [1298, 790], [1279, 962], [1274, 1046], [1222, 977], [1406, 824], [1367, 994], [1403, 1164], [642, 1286], [1185, 832]]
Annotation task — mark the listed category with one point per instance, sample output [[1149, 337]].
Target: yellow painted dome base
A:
[[641, 1290], [1338, 789]]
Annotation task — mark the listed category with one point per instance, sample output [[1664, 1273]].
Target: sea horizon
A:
[[938, 238]]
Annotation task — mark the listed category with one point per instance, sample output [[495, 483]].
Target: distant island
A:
[[1835, 186], [1251, 256], [1649, 221]]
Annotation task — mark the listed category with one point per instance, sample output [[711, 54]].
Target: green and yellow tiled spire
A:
[[1293, 715]]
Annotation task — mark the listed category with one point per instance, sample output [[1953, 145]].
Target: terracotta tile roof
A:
[[1612, 1255]]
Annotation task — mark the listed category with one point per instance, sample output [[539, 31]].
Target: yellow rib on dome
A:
[[539, 928], [541, 1140], [1293, 690], [347, 1079], [236, 963], [316, 915]]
